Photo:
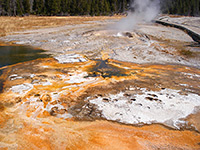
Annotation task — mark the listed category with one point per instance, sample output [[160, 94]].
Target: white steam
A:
[[143, 11]]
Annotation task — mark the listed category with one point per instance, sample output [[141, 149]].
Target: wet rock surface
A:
[[73, 93], [54, 103], [88, 112]]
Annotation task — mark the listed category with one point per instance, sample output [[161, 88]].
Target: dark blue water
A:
[[14, 54]]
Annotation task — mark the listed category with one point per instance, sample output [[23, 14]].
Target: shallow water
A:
[[14, 54], [104, 69]]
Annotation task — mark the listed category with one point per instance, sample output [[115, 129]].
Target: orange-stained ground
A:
[[31, 128], [53, 133]]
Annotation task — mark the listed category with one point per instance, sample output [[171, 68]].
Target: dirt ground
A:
[[8, 25]]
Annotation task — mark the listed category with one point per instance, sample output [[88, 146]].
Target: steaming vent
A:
[[119, 34], [140, 11], [125, 34], [109, 33]]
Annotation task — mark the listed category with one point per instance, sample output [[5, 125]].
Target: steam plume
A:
[[142, 11]]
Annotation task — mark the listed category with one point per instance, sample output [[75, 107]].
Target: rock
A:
[[39, 100], [129, 102], [139, 104], [18, 99], [115, 100], [2, 108], [86, 112], [133, 99], [37, 95], [46, 98], [128, 34], [61, 111], [100, 95], [153, 99], [149, 98], [95, 96], [54, 103], [53, 111], [153, 95], [158, 100], [42, 76], [105, 100], [127, 94]]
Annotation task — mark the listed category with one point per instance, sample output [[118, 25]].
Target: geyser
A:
[[141, 11]]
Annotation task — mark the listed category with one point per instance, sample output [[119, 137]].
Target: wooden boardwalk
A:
[[192, 31]]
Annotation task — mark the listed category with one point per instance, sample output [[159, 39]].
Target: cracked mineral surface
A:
[[102, 89]]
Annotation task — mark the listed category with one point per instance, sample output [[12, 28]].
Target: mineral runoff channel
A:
[[70, 102]]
